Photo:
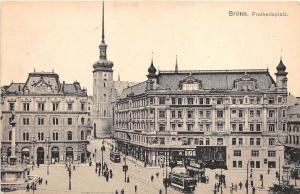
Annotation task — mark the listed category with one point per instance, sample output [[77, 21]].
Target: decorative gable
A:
[[245, 83], [190, 83]]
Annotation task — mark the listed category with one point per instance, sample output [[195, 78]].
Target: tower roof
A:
[[281, 68]]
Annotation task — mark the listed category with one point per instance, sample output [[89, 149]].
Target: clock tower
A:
[[102, 90]]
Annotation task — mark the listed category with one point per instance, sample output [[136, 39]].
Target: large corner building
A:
[[174, 113]]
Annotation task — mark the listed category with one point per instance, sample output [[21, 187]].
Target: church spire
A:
[[103, 46], [103, 41]]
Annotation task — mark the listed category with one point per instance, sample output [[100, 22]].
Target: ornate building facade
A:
[[173, 113], [52, 120]]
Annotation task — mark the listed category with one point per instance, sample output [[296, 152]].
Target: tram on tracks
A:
[[182, 182]]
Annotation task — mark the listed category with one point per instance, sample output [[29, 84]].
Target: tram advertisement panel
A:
[[211, 156]]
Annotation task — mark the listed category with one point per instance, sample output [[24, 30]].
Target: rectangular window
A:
[[271, 128], [207, 100], [251, 127], [233, 141], [200, 100], [283, 127], [237, 153], [161, 100], [240, 113], [251, 141], [271, 113], [41, 106], [173, 114], [55, 136], [162, 127], [190, 100], [40, 121], [82, 106], [55, 121], [240, 164], [220, 114], [251, 112], [179, 114], [254, 153], [25, 121], [240, 127], [219, 127], [200, 114], [161, 114], [251, 164], [233, 100], [258, 113], [190, 114], [173, 100], [257, 141], [55, 106], [26, 106], [257, 127], [173, 126], [234, 164], [201, 142], [271, 141], [207, 127], [190, 127], [69, 121], [208, 114], [70, 106], [271, 100], [283, 113], [233, 126], [219, 101], [219, 141], [271, 153], [179, 100], [240, 141], [257, 164], [207, 141], [11, 106]]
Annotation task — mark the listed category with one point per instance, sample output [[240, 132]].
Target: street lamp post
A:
[[70, 174], [125, 168], [33, 141], [247, 181], [95, 155], [48, 158], [102, 150]]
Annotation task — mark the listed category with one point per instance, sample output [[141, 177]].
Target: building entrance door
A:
[[54, 155], [69, 154], [40, 155], [25, 155]]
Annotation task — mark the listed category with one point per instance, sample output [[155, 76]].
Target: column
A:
[[168, 119]]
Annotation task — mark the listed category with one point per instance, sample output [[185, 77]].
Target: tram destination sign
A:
[[211, 156]]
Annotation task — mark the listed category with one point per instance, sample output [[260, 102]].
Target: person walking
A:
[[253, 190], [160, 191], [240, 184], [128, 179], [110, 173], [122, 191], [116, 192], [135, 188], [152, 177], [46, 182]]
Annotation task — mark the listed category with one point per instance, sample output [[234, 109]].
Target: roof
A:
[[209, 79], [119, 86]]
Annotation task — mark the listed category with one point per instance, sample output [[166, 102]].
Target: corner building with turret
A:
[[172, 114]]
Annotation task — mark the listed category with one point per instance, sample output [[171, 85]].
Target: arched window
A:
[[104, 97], [82, 121], [104, 84], [9, 135], [82, 135], [69, 135]]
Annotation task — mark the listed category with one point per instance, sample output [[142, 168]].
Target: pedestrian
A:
[[253, 190], [38, 165], [128, 179], [73, 167], [207, 179], [152, 177], [135, 188], [251, 183], [99, 172], [110, 173], [160, 191], [46, 182], [235, 187], [157, 174], [122, 191], [240, 184], [106, 176], [116, 192], [268, 171], [96, 170], [27, 187]]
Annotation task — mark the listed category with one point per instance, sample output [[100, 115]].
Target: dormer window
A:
[[190, 83], [245, 83]]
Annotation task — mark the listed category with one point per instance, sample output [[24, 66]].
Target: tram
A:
[[115, 157], [182, 182]]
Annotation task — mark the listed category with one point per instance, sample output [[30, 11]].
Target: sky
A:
[[64, 37]]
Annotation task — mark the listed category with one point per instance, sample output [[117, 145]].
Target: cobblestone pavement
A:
[[84, 179]]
